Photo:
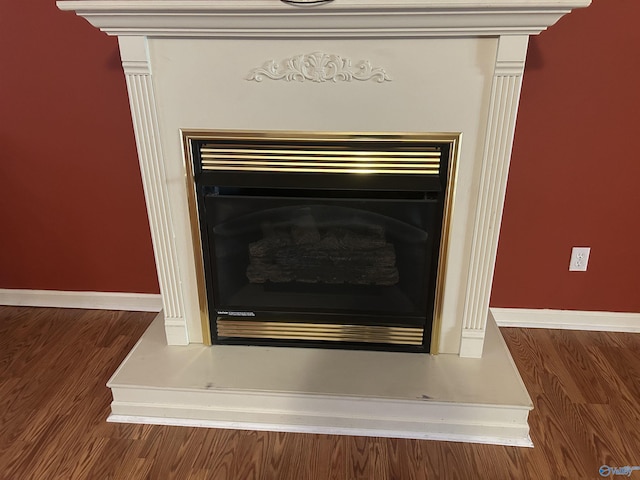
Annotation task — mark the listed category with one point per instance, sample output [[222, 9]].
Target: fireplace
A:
[[322, 240], [340, 67]]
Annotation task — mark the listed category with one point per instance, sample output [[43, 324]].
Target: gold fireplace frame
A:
[[452, 139]]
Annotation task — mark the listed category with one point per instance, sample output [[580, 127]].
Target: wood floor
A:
[[54, 364]]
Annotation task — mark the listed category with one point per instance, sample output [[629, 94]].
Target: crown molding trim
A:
[[344, 19]]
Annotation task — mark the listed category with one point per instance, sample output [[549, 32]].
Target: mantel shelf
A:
[[337, 19]]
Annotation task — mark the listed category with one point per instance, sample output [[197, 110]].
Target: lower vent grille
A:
[[320, 332]]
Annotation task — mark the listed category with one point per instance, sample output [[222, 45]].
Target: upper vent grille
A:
[[322, 155]]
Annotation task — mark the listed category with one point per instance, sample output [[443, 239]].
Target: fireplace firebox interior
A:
[[321, 240]]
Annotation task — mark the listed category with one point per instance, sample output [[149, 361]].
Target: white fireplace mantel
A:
[[168, 45], [448, 66]]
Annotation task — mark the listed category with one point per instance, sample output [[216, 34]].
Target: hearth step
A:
[[378, 394]]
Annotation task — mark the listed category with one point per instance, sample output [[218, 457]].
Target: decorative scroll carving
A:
[[318, 67]]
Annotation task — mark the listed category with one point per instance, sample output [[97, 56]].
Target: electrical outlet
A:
[[579, 259]]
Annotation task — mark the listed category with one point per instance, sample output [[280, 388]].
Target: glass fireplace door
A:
[[324, 242], [316, 259]]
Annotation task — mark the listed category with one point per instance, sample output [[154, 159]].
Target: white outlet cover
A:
[[579, 259]]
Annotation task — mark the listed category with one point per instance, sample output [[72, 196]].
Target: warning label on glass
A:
[[236, 314]]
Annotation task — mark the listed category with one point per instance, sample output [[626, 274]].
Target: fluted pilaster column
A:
[[505, 94], [133, 51]]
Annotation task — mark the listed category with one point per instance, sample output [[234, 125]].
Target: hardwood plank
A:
[[525, 351], [328, 456], [53, 404], [358, 456], [399, 458], [416, 461], [285, 457], [249, 456], [177, 454], [217, 454], [575, 360]]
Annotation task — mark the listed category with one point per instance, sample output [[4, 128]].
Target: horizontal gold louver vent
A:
[[322, 332], [318, 157]]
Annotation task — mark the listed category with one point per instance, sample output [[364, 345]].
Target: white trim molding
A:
[[440, 431], [344, 19], [567, 319], [133, 302]]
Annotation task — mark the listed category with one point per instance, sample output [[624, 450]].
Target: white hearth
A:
[[411, 66]]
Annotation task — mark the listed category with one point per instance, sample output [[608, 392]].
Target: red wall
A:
[[72, 212], [575, 171]]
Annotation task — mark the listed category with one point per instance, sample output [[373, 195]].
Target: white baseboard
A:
[[567, 319], [136, 302]]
